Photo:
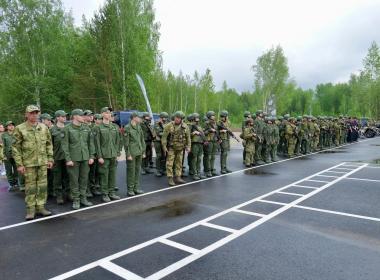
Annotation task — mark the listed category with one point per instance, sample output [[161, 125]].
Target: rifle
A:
[[194, 127], [222, 127]]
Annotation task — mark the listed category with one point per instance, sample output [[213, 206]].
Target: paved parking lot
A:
[[313, 217]]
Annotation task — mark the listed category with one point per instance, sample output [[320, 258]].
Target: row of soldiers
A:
[[82, 161]]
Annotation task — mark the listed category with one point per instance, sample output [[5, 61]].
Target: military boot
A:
[[130, 191], [30, 214], [76, 205], [171, 181], [114, 197], [85, 202], [158, 174], [143, 172], [214, 173], [203, 176], [60, 200], [179, 180], [196, 177], [138, 191], [223, 171], [42, 211], [106, 198], [209, 174]]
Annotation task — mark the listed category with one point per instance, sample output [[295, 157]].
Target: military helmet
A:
[[179, 114], [280, 118], [258, 112], [196, 116], [286, 116], [299, 118], [190, 117], [247, 114], [164, 115], [210, 114], [224, 114]]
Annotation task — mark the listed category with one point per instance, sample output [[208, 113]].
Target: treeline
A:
[[45, 59]]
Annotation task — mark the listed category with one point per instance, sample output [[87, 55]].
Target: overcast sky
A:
[[324, 40]]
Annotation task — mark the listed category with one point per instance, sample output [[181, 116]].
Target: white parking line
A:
[[318, 181], [180, 246], [235, 234], [171, 188], [118, 270], [328, 176], [338, 172], [361, 179], [219, 227], [338, 213], [248, 213], [342, 168], [304, 187], [288, 193]]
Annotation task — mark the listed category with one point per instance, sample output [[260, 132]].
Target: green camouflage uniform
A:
[[108, 146], [78, 146], [259, 127], [317, 132], [33, 149], [249, 136], [275, 142], [197, 142], [224, 145], [134, 146], [211, 134], [291, 137], [9, 162], [148, 138], [311, 128], [160, 156], [304, 137], [175, 139]]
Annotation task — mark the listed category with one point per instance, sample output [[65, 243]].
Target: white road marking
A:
[[328, 176], [118, 270], [338, 172], [338, 213], [273, 202], [375, 167], [170, 188], [289, 193], [249, 213], [342, 168], [180, 246], [318, 181], [362, 179], [304, 187], [219, 227], [199, 223]]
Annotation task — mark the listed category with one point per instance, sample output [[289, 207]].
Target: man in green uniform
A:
[[225, 134], [259, 126], [198, 140], [9, 162], [317, 132], [175, 138], [249, 136], [60, 180], [160, 156], [148, 138], [33, 154], [46, 119], [276, 139], [268, 136], [79, 150], [298, 135], [247, 116], [134, 146], [189, 122], [88, 118], [108, 148], [213, 140], [291, 136]]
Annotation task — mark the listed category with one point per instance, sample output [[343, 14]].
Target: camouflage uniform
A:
[[276, 140], [198, 139], [317, 132], [175, 138], [33, 149], [249, 136], [9, 162], [160, 156], [78, 147], [244, 124], [304, 136], [212, 137], [148, 138], [134, 146], [225, 142], [259, 127], [290, 135]]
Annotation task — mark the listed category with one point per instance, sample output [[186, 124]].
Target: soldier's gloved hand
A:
[[101, 160], [50, 164], [90, 161], [70, 163], [21, 169]]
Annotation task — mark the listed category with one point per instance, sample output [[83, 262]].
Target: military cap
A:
[[77, 112], [135, 114], [247, 114], [46, 116], [32, 108], [164, 115], [8, 123], [210, 114], [258, 112], [98, 117], [286, 116], [103, 110], [60, 113], [196, 116], [224, 114], [179, 114], [88, 113], [299, 118]]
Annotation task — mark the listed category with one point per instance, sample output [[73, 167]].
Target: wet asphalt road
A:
[[296, 244]]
